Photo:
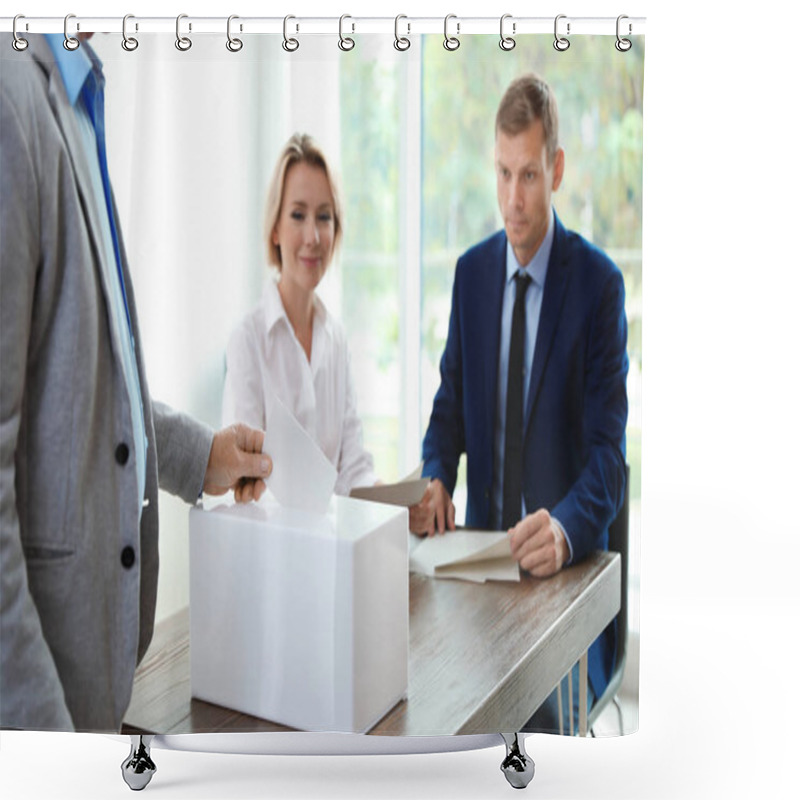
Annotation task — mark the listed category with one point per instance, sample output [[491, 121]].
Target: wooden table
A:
[[482, 658]]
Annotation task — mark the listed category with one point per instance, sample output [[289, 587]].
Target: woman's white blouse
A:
[[264, 357]]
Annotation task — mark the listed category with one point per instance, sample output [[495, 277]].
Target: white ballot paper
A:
[[406, 492], [477, 556], [302, 477]]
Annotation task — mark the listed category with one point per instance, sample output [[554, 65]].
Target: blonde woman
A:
[[289, 345]]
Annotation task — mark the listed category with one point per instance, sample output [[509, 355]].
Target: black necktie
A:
[[512, 462]]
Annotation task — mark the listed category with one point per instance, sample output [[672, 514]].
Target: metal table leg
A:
[[583, 678]]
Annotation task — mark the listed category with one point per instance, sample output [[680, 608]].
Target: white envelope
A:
[[406, 492], [302, 477], [475, 556]]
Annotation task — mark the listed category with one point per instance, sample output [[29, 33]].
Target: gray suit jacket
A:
[[76, 615]]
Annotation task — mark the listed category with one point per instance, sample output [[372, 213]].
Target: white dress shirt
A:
[[265, 358]]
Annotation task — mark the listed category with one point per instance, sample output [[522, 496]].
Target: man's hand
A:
[[538, 544], [236, 462], [435, 513]]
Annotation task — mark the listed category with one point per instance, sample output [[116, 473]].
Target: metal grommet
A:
[[623, 45], [289, 44], [345, 43], [129, 43], [507, 42], [70, 42], [401, 42], [18, 43], [234, 45], [560, 43], [183, 43], [451, 42]]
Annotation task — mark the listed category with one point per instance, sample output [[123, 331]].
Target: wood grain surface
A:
[[482, 657]]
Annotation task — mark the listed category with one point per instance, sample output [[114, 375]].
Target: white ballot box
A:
[[299, 617]]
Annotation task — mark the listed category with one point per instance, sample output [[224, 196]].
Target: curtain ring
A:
[[400, 42], [129, 43], [183, 43], [451, 42], [234, 45], [507, 42], [289, 44], [623, 45], [560, 43], [345, 43], [70, 42], [18, 43]]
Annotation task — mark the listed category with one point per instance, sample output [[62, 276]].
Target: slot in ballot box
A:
[[299, 617]]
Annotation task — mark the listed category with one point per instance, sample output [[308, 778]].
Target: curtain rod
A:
[[300, 25]]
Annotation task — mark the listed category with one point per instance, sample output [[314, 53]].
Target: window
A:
[[417, 137]]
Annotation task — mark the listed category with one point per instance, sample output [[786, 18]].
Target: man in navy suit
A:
[[545, 453]]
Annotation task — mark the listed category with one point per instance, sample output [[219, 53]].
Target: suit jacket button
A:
[[128, 557], [121, 454]]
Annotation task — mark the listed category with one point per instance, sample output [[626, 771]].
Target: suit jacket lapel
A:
[[555, 287], [65, 117]]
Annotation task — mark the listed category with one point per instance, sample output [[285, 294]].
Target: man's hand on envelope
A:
[[537, 541], [538, 544], [435, 513], [236, 462]]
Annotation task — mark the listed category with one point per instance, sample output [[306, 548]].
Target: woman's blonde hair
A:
[[300, 149]]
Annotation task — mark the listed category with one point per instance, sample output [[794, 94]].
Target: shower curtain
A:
[[408, 130]]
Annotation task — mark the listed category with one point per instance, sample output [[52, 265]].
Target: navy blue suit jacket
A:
[[574, 440]]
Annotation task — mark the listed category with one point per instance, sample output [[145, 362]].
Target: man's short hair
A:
[[527, 99], [300, 149]]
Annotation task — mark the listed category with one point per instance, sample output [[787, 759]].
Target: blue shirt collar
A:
[[74, 65], [537, 266]]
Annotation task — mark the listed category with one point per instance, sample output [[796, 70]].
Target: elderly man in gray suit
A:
[[84, 449]]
